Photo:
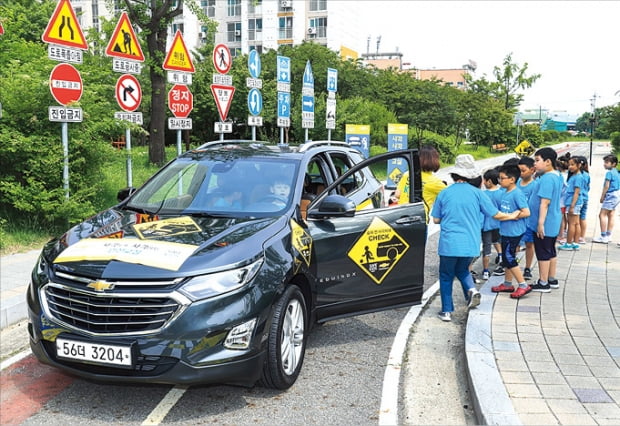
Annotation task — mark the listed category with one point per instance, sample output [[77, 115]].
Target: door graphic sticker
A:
[[378, 250], [302, 243]]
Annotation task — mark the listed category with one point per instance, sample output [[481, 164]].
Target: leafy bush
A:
[[31, 179], [615, 142]]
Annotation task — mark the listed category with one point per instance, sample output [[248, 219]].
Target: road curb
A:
[[490, 398]]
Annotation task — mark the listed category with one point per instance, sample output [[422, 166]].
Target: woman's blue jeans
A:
[[450, 267]]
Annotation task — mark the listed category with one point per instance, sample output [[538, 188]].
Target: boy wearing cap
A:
[[545, 217], [459, 209]]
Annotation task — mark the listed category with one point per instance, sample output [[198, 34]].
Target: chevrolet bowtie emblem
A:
[[100, 285]]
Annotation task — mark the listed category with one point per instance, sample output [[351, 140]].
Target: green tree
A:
[[154, 18], [512, 78]]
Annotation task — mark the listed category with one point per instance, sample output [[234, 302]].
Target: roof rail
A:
[[307, 145], [230, 142]]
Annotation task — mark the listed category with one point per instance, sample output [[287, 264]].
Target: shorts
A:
[[584, 210], [489, 238], [611, 201], [528, 237], [544, 248], [509, 251], [576, 210], [563, 209]]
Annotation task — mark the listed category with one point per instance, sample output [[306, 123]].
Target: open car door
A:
[[368, 256]]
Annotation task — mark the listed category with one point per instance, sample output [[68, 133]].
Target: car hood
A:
[[121, 244]]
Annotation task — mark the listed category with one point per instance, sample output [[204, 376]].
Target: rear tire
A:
[[286, 344]]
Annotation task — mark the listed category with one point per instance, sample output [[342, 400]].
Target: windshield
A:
[[246, 186]]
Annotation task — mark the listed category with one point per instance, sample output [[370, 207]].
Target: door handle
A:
[[409, 219]]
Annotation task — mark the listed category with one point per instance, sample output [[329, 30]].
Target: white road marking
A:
[[163, 408], [388, 413], [12, 360]]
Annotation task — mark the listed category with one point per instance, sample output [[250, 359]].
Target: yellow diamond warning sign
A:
[[64, 28], [396, 175], [124, 43], [378, 250], [302, 242], [178, 58]]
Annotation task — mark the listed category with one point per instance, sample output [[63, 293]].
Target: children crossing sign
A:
[[378, 250], [124, 43], [64, 28]]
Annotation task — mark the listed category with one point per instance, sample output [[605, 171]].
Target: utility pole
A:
[[592, 120]]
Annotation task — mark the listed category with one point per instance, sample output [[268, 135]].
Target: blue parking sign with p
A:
[[284, 105]]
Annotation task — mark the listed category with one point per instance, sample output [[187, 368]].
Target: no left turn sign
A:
[[128, 92]]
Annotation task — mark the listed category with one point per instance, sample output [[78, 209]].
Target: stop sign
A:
[[180, 101], [66, 84]]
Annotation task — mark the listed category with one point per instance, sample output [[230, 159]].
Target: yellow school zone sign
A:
[[378, 250]]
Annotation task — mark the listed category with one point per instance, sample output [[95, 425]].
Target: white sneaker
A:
[[474, 298], [601, 240]]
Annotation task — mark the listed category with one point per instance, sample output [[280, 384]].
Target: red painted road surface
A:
[[26, 386]]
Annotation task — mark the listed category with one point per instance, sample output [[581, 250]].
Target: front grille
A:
[[109, 313], [101, 307]]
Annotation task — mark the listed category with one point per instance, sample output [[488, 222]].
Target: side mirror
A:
[[333, 206], [125, 193]]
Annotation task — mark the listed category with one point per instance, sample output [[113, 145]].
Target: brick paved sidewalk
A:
[[553, 358]]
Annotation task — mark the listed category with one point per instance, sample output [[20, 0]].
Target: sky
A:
[[574, 45]]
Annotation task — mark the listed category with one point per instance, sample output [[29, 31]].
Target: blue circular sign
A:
[[255, 101], [254, 64]]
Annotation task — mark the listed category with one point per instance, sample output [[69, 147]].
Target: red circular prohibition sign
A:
[[66, 84], [128, 92]]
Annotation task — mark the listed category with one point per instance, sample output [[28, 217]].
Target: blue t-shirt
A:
[[585, 191], [511, 201], [527, 189], [574, 182], [550, 188], [495, 196], [459, 207], [613, 176]]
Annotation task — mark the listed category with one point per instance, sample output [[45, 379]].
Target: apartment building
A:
[[244, 25]]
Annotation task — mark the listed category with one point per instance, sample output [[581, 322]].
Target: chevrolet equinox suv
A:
[[216, 268]]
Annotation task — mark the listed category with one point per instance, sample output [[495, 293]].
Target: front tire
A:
[[286, 344]]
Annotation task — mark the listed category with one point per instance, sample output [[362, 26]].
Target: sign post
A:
[[127, 57], [307, 100], [283, 72], [65, 44], [330, 107], [222, 88], [397, 140], [180, 68], [255, 98]]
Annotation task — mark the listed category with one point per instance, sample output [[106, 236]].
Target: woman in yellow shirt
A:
[[431, 184]]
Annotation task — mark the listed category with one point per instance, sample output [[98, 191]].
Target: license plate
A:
[[94, 352]]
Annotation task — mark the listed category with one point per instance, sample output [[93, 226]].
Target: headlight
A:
[[204, 286]]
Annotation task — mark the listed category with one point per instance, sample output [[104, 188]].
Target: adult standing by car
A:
[[459, 209], [431, 184]]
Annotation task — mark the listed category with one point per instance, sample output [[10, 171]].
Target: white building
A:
[[244, 25]]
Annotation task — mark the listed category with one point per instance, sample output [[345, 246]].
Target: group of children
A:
[[552, 196], [527, 202]]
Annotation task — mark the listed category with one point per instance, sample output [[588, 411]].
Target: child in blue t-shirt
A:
[[585, 192], [490, 226], [573, 203], [527, 183], [511, 231], [610, 198]]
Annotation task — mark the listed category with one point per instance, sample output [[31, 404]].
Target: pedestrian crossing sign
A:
[[178, 58], [64, 28], [124, 43]]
